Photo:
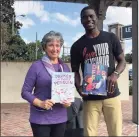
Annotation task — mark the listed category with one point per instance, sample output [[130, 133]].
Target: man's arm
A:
[[121, 64], [75, 64], [112, 79], [78, 81]]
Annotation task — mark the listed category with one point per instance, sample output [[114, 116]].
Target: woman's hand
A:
[[66, 104], [47, 104]]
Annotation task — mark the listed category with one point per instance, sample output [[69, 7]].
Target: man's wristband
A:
[[117, 73]]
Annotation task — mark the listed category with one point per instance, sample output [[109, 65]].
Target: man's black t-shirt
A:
[[102, 49]]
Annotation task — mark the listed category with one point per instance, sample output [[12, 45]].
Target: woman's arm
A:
[[29, 84]]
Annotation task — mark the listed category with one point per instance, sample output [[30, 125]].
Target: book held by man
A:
[[94, 79], [62, 87]]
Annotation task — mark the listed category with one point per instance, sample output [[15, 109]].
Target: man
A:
[[99, 47]]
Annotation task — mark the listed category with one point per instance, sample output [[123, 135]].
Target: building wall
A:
[[13, 74]]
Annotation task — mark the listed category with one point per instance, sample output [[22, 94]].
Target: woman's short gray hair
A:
[[52, 35]]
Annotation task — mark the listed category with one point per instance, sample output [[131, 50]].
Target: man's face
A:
[[89, 19]]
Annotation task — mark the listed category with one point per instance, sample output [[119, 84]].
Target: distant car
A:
[[130, 74]]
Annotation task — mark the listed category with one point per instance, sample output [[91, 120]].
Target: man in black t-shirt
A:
[[104, 48]]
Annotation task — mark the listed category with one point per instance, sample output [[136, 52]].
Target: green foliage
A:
[[32, 51], [9, 48], [130, 87], [66, 58], [16, 51], [130, 90], [7, 13], [5, 36], [128, 57]]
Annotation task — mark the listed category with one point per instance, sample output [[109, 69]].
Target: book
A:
[[63, 87], [94, 79]]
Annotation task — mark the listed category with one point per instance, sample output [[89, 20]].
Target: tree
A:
[[5, 36], [66, 58], [32, 50], [17, 50], [7, 11], [8, 42], [8, 14], [8, 19]]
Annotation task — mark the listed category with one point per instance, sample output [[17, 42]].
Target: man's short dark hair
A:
[[88, 8]]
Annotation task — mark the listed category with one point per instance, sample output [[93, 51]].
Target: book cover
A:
[[63, 87], [94, 80]]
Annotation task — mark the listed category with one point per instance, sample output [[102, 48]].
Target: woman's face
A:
[[53, 48]]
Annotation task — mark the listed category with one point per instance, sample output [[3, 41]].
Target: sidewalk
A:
[[14, 120]]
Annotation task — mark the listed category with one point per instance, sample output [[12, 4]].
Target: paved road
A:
[[14, 120]]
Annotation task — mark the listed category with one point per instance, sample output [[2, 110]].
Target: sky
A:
[[44, 16]]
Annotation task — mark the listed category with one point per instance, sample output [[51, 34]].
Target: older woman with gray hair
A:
[[47, 119]]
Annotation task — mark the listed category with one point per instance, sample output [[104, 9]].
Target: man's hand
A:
[[111, 82], [119, 68], [77, 84]]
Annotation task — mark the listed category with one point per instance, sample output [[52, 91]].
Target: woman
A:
[[47, 119]]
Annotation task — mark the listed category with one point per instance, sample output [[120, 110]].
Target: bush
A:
[[130, 90]]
